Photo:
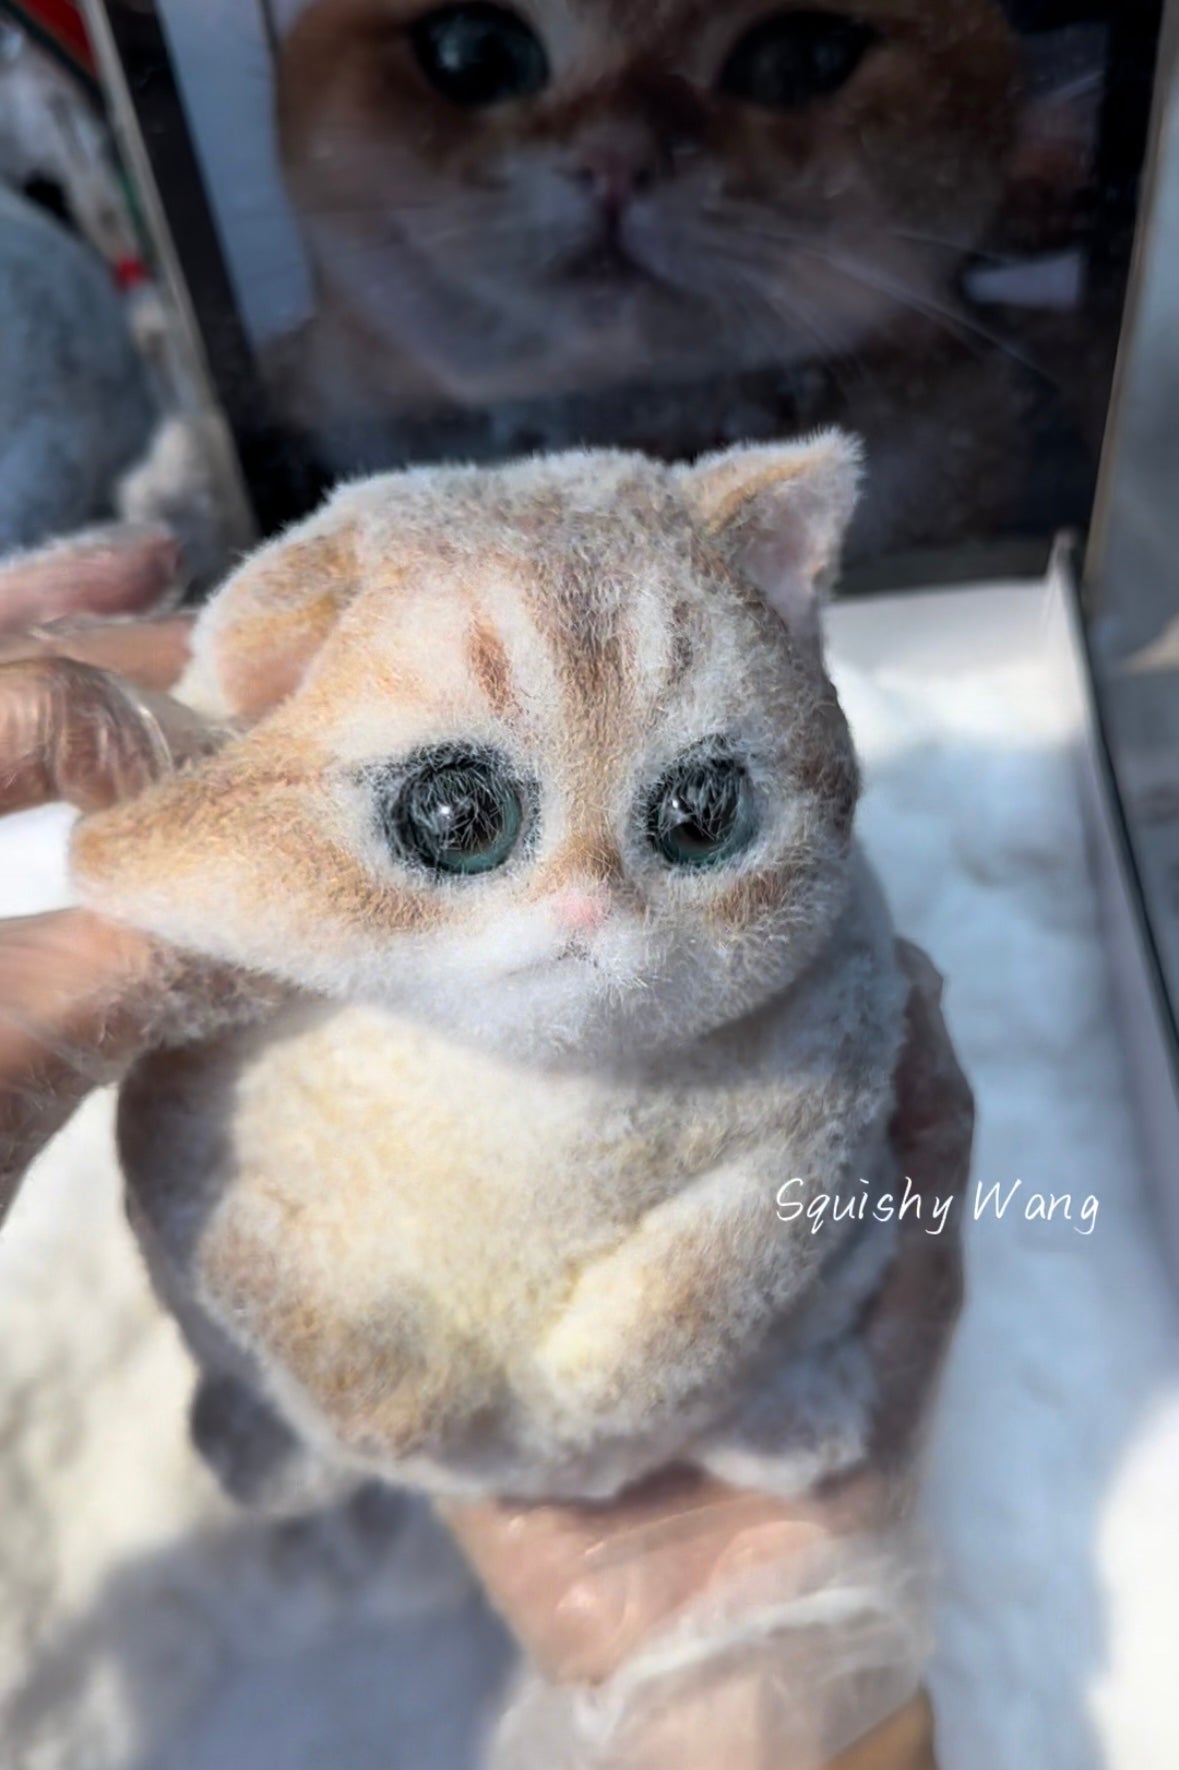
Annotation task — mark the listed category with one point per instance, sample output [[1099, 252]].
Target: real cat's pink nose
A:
[[581, 911], [615, 174]]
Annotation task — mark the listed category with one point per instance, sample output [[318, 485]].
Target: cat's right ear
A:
[[778, 512], [255, 641]]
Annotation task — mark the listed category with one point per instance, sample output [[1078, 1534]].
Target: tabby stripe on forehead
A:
[[491, 667], [681, 646], [587, 634]]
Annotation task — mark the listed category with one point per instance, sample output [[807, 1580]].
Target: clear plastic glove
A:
[[80, 997]]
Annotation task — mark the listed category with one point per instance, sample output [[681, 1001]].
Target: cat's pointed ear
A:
[[779, 513], [255, 641]]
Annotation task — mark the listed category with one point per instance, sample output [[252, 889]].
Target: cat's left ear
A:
[[779, 513]]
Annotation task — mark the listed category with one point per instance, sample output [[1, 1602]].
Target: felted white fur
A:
[[143, 1623]]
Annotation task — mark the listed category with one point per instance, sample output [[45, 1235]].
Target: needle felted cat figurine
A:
[[548, 820]]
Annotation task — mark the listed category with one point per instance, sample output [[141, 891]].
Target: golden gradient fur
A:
[[490, 1205]]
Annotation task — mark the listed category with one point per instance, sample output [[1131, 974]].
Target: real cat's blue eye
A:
[[452, 810], [794, 57], [701, 811], [479, 54]]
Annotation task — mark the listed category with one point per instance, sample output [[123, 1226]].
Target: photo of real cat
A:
[[668, 226], [537, 802]]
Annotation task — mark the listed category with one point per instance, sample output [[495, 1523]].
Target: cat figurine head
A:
[[567, 194], [545, 755]]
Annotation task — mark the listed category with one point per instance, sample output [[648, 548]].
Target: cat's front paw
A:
[[809, 1421], [630, 1350]]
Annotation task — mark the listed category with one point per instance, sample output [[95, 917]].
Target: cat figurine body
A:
[[537, 794]]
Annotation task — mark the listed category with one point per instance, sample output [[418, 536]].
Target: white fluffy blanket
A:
[[146, 1626]]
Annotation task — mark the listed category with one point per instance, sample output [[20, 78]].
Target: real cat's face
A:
[[559, 194], [554, 775]]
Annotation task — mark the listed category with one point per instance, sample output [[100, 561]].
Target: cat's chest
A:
[[353, 1132], [443, 1130]]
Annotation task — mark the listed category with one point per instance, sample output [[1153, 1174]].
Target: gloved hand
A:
[[80, 997]]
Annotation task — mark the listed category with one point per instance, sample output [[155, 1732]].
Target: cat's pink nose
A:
[[581, 911], [613, 175]]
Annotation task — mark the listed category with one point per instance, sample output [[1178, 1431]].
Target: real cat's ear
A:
[[255, 641], [779, 513]]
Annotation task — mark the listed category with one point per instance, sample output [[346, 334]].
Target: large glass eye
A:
[[454, 811], [479, 54], [794, 57], [702, 812]]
